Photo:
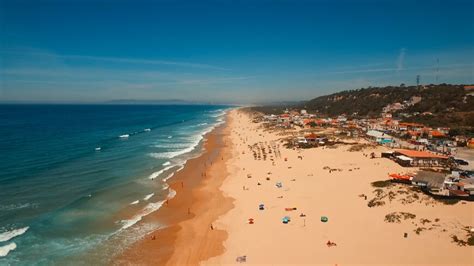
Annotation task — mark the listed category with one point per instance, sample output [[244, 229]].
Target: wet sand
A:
[[187, 236]]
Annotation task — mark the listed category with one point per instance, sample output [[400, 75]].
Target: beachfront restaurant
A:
[[411, 158]]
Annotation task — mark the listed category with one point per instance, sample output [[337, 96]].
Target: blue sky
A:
[[227, 51]]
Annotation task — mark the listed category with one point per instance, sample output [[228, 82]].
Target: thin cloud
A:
[[401, 59], [398, 69], [214, 80], [123, 60], [141, 61], [362, 71]]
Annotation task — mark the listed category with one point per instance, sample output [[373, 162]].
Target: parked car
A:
[[461, 161]]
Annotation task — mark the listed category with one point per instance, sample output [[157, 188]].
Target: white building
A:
[[379, 137]]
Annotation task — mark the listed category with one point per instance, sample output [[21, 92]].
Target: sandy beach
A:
[[251, 166], [186, 237], [332, 183]]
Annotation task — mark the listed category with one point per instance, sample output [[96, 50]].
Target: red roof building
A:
[[420, 154], [437, 134]]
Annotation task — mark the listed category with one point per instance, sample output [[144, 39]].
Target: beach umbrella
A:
[[261, 207], [324, 219]]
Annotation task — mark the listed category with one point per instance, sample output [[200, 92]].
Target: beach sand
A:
[[331, 182], [360, 232], [186, 237]]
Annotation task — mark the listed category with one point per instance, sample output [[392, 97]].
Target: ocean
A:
[[71, 175]]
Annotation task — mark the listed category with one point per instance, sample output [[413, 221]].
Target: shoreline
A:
[[248, 163], [188, 216]]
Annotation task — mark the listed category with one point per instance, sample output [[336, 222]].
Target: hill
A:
[[433, 105]]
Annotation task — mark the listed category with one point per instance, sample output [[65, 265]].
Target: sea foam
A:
[[190, 146], [5, 236], [17, 206], [158, 173], [147, 197], [147, 210], [151, 207], [172, 174], [6, 249]]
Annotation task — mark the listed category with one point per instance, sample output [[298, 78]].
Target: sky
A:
[[228, 51]]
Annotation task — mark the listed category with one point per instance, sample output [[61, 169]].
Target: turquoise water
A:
[[70, 175]]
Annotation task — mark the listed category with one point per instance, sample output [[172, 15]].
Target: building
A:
[[311, 138], [379, 137], [431, 180], [470, 144], [466, 185], [409, 158]]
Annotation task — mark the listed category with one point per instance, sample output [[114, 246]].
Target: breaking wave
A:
[[5, 236], [147, 197], [6, 249]]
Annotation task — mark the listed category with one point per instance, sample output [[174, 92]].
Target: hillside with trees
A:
[[433, 105]]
